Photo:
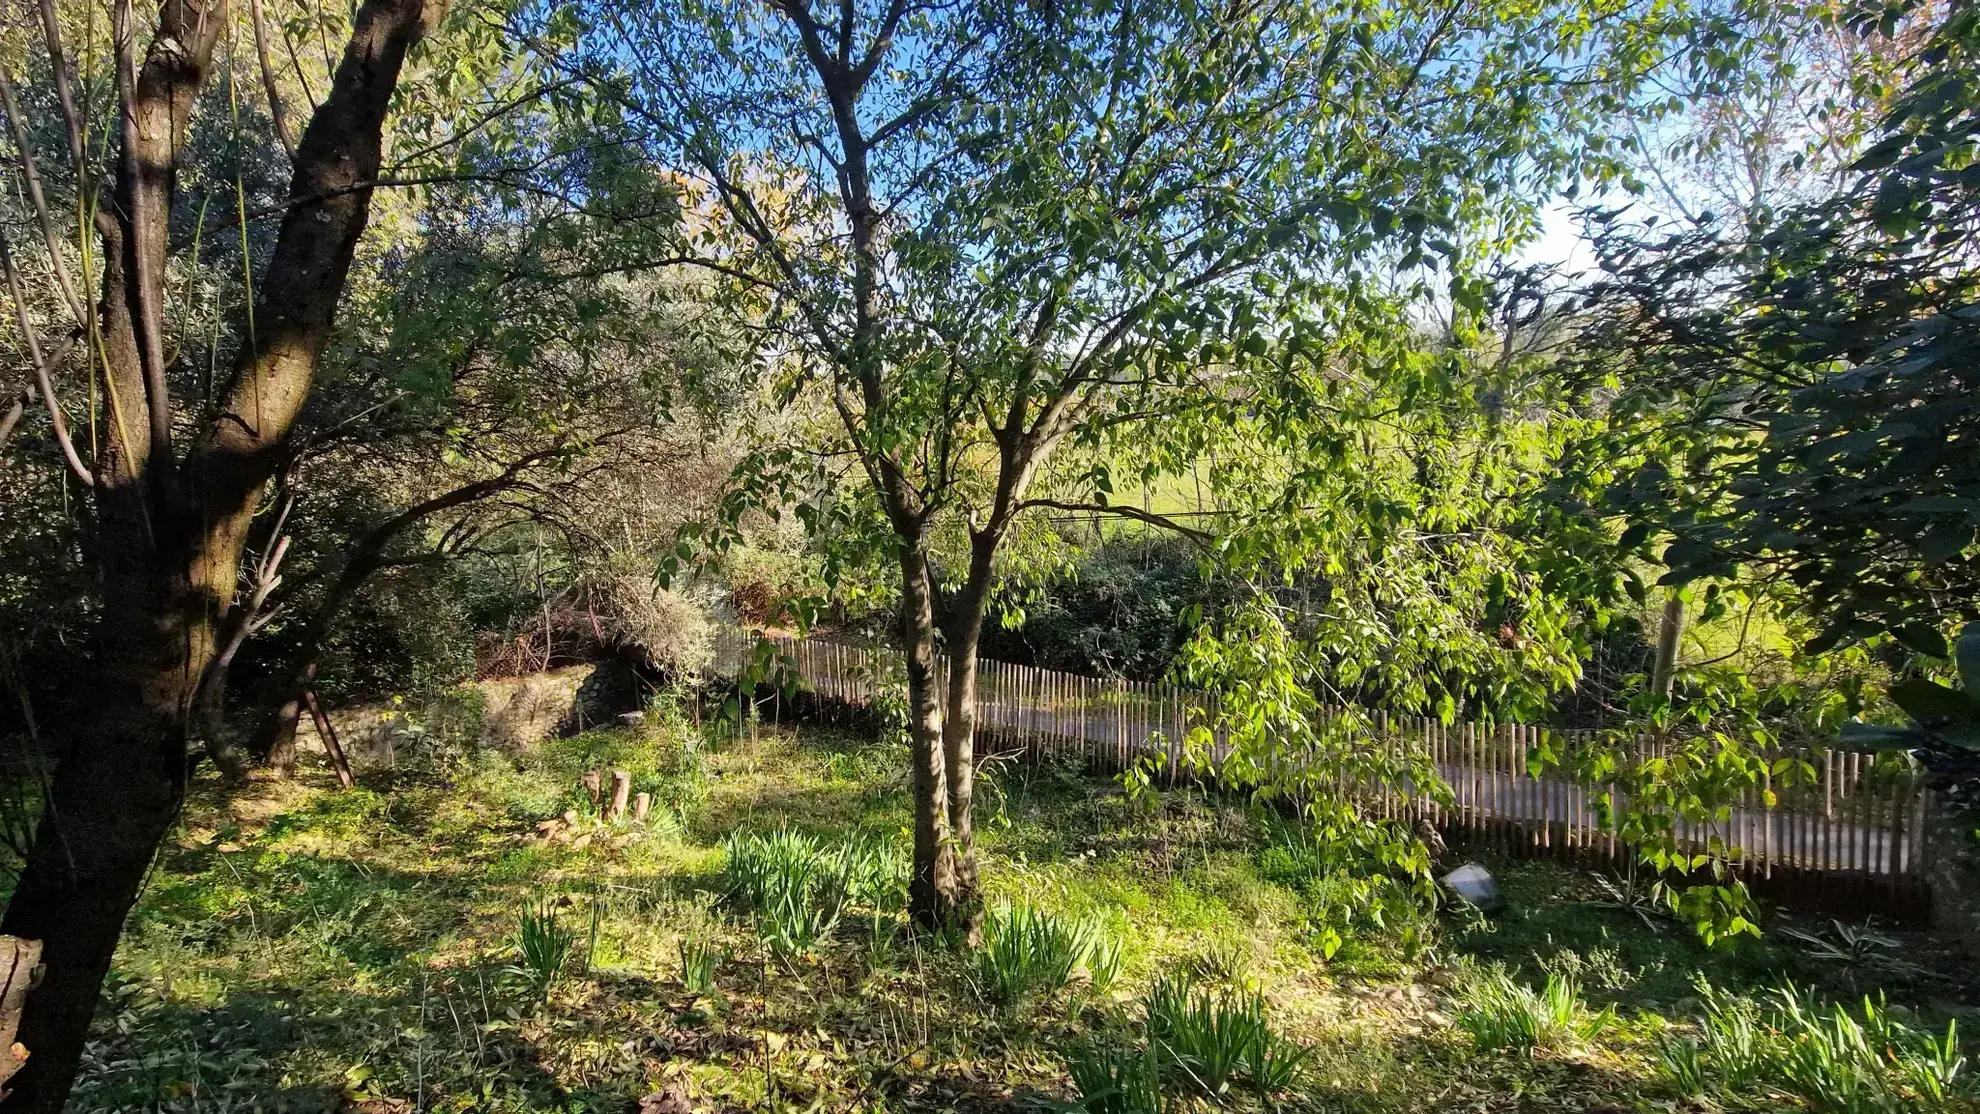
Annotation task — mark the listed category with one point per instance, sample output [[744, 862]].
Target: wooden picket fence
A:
[[1852, 841]]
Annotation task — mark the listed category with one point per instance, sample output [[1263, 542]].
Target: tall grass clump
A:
[[1112, 1079], [1835, 1059], [699, 959], [543, 947], [1030, 953], [1211, 1041], [1499, 1012], [797, 889]]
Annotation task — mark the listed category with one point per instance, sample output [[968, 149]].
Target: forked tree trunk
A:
[[171, 531]]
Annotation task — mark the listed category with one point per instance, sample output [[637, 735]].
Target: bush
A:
[[1500, 1012]]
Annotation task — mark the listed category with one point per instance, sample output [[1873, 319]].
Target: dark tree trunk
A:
[[932, 887], [274, 741], [170, 532]]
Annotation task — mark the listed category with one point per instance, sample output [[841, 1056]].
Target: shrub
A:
[[1499, 1012]]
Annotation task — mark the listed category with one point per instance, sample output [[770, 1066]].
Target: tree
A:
[[990, 232], [493, 375], [180, 473], [1796, 389], [1771, 102]]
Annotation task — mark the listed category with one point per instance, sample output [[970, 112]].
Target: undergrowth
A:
[[441, 939]]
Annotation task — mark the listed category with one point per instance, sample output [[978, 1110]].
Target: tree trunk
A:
[[932, 887], [170, 533], [964, 631], [1663, 668], [275, 741]]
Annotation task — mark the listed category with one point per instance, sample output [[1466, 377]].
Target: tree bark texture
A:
[[932, 886], [1663, 668], [964, 635]]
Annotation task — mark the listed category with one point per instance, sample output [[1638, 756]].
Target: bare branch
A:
[[275, 110], [41, 366], [12, 417], [25, 150], [51, 31]]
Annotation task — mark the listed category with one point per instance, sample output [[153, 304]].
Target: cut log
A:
[[621, 786], [592, 783], [20, 967], [642, 804]]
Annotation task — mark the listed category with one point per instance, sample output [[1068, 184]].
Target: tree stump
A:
[[621, 786], [20, 968], [591, 786], [642, 804]]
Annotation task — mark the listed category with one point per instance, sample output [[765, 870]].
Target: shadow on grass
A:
[[1409, 1073], [282, 1047], [1642, 960]]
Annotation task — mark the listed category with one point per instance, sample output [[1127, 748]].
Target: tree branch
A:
[[1201, 537], [276, 112], [38, 201], [41, 366]]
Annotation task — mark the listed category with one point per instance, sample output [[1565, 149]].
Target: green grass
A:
[[420, 940]]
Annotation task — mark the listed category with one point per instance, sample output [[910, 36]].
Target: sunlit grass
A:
[[302, 947]]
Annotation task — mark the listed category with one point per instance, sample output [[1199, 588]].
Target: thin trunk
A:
[[274, 739], [932, 889], [964, 631], [327, 731], [1663, 670]]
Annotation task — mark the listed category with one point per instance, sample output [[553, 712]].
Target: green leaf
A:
[[1923, 638], [1967, 655], [1931, 703]]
